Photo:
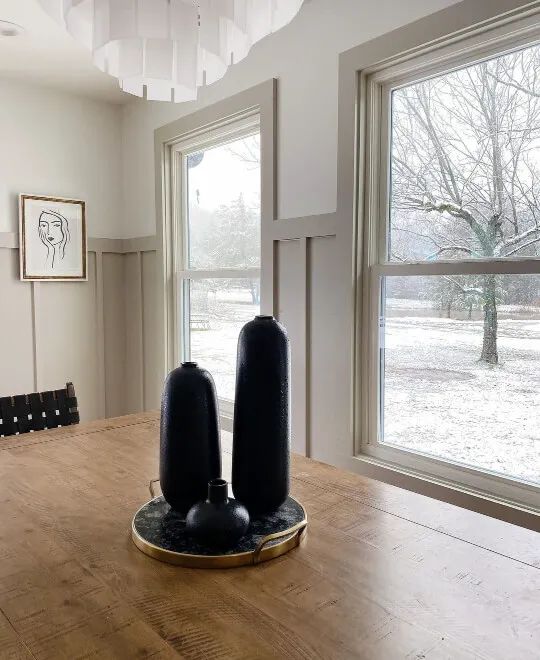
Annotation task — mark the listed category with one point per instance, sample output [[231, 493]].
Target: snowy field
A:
[[439, 399], [215, 347]]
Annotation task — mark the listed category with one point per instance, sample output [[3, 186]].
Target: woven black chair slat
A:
[[63, 409], [22, 412], [6, 407], [72, 404], [50, 406], [8, 426], [49, 402], [36, 410], [21, 405]]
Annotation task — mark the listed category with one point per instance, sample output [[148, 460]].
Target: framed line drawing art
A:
[[52, 238]]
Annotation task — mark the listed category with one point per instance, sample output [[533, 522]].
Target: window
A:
[[453, 271], [218, 252]]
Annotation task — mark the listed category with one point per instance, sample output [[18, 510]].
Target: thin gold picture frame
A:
[[28, 277]]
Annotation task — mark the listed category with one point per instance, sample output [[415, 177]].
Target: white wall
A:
[[304, 57], [53, 143]]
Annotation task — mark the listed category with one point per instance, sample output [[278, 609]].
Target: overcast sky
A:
[[222, 176]]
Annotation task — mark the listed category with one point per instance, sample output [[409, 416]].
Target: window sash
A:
[[506, 488], [375, 88], [220, 273], [223, 134]]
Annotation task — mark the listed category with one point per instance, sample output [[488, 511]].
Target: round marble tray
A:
[[160, 533]]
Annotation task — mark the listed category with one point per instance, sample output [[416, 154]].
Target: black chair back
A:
[[37, 411]]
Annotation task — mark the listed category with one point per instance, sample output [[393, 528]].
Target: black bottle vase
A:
[[219, 521], [190, 453], [261, 431]]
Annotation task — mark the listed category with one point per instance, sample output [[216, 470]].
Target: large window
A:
[[219, 209], [453, 264]]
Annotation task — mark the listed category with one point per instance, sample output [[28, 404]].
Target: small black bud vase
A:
[[261, 431], [219, 522], [190, 453]]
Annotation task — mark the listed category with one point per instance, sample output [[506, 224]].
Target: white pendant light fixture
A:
[[165, 49]]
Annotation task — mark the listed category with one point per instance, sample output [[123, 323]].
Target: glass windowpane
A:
[[465, 163], [218, 308], [461, 370], [224, 205]]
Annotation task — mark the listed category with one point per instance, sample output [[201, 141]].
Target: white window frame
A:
[[222, 135], [375, 87]]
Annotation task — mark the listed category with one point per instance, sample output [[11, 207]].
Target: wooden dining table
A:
[[382, 573]]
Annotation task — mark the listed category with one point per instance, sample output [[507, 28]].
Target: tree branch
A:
[[450, 248], [517, 239], [521, 247], [515, 85]]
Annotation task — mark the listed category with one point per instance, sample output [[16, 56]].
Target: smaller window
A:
[[221, 233]]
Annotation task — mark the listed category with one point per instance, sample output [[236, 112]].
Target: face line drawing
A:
[[53, 231]]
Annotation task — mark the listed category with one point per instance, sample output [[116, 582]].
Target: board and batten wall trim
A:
[[100, 359]]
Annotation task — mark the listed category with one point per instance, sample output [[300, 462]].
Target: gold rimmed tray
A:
[[160, 533]]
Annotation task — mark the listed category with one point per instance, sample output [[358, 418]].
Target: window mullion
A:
[[222, 273], [476, 267]]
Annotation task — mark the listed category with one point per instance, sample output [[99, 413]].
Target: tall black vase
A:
[[261, 439], [190, 453]]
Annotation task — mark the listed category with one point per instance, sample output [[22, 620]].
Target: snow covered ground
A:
[[215, 347], [439, 399]]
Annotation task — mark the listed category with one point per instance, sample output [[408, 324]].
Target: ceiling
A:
[[46, 54]]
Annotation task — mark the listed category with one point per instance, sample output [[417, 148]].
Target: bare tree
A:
[[247, 150], [465, 170]]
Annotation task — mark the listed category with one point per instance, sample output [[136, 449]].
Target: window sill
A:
[[448, 491]]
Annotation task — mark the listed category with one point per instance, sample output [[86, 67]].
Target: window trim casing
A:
[[261, 99], [374, 87]]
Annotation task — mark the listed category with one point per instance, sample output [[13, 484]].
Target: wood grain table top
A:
[[383, 573]]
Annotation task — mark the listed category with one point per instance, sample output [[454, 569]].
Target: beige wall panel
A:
[[67, 336], [153, 359], [133, 337], [290, 303], [114, 325], [16, 343], [324, 308]]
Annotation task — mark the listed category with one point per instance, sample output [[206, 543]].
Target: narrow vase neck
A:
[[217, 491]]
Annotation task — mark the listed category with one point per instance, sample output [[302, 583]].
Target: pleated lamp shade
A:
[[164, 50]]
